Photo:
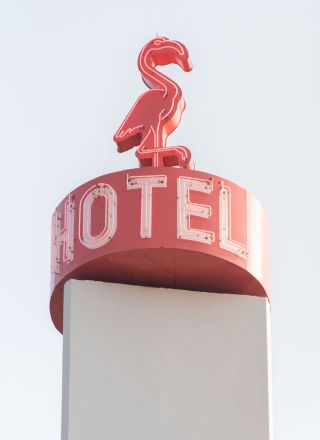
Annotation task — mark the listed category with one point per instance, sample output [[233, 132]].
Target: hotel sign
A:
[[163, 224]]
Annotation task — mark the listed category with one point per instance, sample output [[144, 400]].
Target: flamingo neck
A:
[[153, 78]]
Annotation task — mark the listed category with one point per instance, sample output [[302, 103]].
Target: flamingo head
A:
[[161, 51]]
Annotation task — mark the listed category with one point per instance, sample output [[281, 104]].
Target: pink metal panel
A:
[[234, 262]]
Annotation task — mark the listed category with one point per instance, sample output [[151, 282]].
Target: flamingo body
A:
[[157, 112]]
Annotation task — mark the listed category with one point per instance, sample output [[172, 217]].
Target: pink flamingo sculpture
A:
[[157, 112]]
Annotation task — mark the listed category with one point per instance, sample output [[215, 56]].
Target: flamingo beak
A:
[[187, 65], [181, 56]]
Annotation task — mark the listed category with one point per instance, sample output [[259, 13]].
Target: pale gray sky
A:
[[68, 77]]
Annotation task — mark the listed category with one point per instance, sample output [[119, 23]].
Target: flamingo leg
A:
[[153, 151]]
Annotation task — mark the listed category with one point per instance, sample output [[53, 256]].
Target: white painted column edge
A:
[[66, 361]]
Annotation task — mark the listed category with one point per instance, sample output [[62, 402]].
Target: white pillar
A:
[[144, 363]]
